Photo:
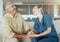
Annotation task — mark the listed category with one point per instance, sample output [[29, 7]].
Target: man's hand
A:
[[19, 36], [29, 35], [31, 32]]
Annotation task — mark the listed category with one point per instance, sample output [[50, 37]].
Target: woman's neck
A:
[[40, 17]]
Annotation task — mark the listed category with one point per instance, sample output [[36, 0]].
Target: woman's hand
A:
[[31, 32], [29, 35], [34, 35]]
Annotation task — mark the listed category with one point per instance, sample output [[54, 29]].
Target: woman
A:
[[44, 27]]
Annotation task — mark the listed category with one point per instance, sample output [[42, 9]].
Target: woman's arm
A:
[[48, 22], [45, 32], [42, 34]]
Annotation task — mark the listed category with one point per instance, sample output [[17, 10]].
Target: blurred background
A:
[[24, 7]]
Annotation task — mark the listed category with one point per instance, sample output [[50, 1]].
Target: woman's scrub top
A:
[[42, 26]]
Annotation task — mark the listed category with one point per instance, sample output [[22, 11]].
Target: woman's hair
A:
[[41, 9]]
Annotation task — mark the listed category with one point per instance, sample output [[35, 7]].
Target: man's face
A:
[[12, 8]]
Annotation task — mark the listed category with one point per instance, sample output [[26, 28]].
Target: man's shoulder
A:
[[19, 15], [6, 17]]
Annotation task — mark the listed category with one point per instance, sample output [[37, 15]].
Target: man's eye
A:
[[12, 5]]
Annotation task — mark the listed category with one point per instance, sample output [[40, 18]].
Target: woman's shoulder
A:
[[47, 16]]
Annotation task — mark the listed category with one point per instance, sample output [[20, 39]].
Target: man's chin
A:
[[15, 11]]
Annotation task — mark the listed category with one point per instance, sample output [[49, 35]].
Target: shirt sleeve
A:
[[26, 27], [6, 30], [24, 24], [48, 20]]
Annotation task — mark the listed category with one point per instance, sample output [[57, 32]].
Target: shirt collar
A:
[[11, 15]]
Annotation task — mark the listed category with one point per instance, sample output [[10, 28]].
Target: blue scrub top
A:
[[42, 26]]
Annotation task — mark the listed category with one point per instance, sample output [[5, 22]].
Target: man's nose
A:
[[14, 6]]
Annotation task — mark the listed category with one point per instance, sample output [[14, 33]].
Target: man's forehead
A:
[[11, 3]]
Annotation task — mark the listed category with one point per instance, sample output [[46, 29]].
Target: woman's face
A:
[[35, 10]]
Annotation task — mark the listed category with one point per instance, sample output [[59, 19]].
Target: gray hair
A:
[[7, 4]]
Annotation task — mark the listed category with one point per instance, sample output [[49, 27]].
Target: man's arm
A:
[[19, 36], [25, 26], [6, 30]]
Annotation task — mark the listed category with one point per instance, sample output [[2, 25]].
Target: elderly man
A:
[[13, 24]]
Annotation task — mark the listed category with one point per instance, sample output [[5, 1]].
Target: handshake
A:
[[29, 35]]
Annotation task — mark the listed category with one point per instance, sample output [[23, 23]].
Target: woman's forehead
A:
[[35, 6]]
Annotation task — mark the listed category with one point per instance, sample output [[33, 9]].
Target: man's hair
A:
[[7, 4]]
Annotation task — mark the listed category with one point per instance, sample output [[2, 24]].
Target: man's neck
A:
[[40, 16], [13, 14]]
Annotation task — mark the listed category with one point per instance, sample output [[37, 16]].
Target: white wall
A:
[[1, 9], [57, 25]]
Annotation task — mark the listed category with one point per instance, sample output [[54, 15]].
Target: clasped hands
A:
[[31, 35]]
